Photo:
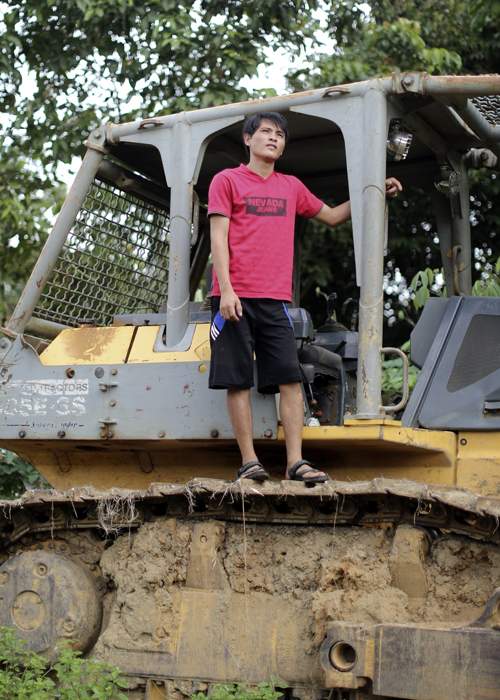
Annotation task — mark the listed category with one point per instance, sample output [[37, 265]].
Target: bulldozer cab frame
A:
[[153, 173]]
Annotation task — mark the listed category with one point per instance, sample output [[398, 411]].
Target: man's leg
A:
[[292, 417], [231, 368], [240, 413], [278, 366]]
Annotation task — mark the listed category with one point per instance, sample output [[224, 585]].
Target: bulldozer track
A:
[[170, 522], [362, 503]]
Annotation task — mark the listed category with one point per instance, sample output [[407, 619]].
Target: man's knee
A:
[[236, 391], [291, 389], [238, 397]]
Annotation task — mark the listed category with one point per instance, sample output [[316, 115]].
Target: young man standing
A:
[[252, 212]]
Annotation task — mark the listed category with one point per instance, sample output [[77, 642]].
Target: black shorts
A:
[[265, 329]]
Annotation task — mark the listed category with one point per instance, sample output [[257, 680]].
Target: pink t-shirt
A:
[[261, 229]]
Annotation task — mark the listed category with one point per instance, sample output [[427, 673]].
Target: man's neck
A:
[[261, 167]]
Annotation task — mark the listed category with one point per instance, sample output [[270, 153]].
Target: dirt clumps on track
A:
[[333, 574]]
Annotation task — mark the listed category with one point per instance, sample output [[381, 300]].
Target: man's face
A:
[[267, 142]]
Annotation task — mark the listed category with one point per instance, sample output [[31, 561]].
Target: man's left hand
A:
[[392, 187]]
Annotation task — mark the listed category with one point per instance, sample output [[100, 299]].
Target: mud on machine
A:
[[382, 583]]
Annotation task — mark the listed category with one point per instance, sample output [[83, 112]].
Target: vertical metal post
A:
[[441, 206], [372, 273], [461, 233], [50, 251], [181, 205]]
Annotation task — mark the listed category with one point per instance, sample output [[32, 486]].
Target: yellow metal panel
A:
[[478, 463], [89, 346], [382, 431], [144, 341], [371, 421], [120, 464], [345, 452], [225, 637], [370, 449]]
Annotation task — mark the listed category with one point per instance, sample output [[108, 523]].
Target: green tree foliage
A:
[[240, 691], [17, 476], [427, 283], [469, 28], [26, 196], [25, 675], [380, 36], [379, 49], [94, 60]]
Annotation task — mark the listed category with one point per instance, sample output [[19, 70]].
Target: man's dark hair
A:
[[253, 122]]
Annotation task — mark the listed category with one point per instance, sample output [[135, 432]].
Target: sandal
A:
[[304, 471], [253, 470]]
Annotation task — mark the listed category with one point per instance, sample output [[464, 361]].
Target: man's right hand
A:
[[230, 306]]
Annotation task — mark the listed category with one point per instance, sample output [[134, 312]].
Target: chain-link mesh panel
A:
[[114, 261], [489, 107]]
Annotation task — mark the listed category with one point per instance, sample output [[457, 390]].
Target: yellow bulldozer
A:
[[382, 582]]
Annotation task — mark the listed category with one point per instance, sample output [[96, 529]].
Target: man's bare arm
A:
[[230, 305], [333, 216]]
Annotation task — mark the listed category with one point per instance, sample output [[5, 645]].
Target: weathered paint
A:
[[356, 452], [416, 662], [478, 462], [89, 346], [144, 343], [46, 397]]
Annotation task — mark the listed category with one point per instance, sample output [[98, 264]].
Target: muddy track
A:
[[361, 503], [179, 571]]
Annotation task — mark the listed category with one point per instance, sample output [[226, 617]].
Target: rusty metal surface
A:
[[455, 84], [49, 599], [446, 85], [414, 662]]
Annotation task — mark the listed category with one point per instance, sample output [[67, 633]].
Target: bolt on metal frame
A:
[[362, 111]]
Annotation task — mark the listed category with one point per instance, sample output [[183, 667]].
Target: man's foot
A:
[[304, 471], [253, 470]]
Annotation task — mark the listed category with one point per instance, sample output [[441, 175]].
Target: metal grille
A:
[[114, 261], [489, 108]]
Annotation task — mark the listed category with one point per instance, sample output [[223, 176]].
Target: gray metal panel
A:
[[197, 314], [433, 405], [410, 416], [424, 333], [136, 402]]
